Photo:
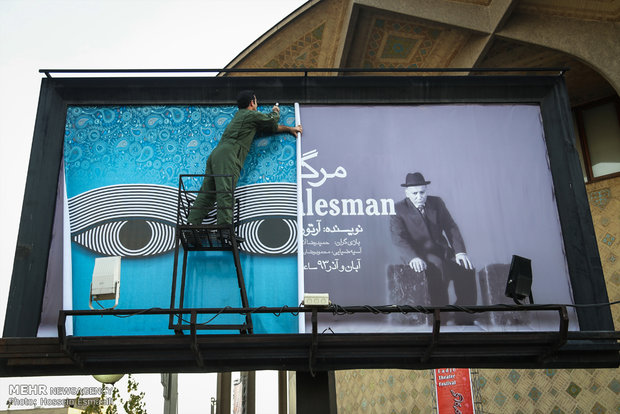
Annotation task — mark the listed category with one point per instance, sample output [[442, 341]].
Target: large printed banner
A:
[[453, 390], [487, 194], [480, 174], [122, 167]]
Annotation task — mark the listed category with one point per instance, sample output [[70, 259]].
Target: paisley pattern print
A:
[[109, 145]]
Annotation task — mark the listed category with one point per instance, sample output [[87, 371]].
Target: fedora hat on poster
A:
[[414, 179]]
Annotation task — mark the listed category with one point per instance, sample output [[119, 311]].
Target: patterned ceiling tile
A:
[[398, 47], [307, 38], [303, 53], [394, 43], [391, 40]]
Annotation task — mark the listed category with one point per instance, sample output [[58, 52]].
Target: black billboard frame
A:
[[549, 92]]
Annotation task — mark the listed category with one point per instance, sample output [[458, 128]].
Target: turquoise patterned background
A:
[[155, 144]]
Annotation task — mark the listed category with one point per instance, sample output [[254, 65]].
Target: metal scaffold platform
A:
[[207, 236]]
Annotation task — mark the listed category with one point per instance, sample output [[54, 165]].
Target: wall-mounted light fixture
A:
[[316, 299], [106, 282]]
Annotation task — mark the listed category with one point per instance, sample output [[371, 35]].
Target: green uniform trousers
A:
[[222, 173]]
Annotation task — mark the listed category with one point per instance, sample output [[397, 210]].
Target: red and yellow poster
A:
[[453, 390]]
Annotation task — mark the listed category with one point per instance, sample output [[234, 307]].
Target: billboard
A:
[[496, 155], [489, 195]]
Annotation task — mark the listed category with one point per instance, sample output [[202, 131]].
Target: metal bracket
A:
[[435, 337], [62, 339], [194, 344], [562, 335], [315, 341]]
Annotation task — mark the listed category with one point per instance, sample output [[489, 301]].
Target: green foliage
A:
[[133, 405]]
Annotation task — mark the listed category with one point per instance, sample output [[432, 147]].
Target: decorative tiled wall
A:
[[550, 391], [384, 391], [604, 198]]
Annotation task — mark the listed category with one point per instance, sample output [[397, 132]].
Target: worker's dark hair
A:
[[244, 98]]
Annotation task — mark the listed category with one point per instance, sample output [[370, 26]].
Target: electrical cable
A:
[[380, 309]]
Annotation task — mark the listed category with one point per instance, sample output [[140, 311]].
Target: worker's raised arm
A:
[[290, 130]]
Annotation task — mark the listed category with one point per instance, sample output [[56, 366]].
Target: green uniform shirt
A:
[[244, 126], [225, 163]]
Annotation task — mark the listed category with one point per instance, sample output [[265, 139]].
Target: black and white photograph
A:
[[426, 206]]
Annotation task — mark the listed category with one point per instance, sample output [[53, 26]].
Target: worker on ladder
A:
[[227, 158]]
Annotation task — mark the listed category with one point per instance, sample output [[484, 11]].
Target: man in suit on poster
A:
[[429, 241]]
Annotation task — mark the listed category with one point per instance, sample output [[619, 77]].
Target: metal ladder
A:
[[204, 237]]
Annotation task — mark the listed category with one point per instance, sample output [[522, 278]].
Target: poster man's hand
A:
[[417, 264], [463, 260]]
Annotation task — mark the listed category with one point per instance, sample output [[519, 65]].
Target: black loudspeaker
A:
[[519, 285]]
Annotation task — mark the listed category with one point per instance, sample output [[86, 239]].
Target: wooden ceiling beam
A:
[[499, 12], [593, 42], [473, 52]]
